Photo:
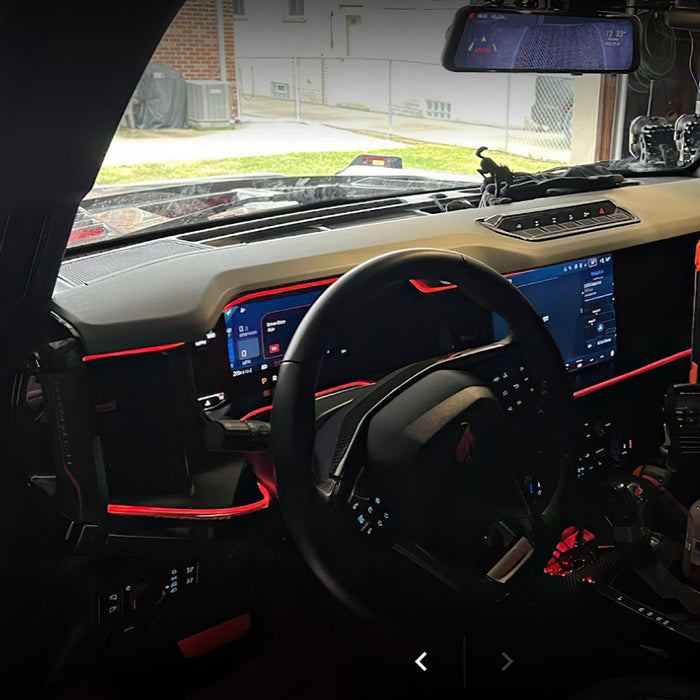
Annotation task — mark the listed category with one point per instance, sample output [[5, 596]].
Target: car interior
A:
[[393, 433]]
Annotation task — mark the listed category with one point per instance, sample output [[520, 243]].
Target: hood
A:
[[120, 210]]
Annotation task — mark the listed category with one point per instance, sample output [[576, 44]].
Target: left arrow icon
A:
[[419, 662]]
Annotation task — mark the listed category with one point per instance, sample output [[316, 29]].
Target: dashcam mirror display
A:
[[537, 42]]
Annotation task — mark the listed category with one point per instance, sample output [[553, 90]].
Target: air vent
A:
[[560, 222], [689, 445], [94, 267], [304, 221]]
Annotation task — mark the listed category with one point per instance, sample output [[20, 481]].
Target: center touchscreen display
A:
[[577, 303], [258, 331]]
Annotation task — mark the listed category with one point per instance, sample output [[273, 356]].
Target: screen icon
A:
[[273, 348]]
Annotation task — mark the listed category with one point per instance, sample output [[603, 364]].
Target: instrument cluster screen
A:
[[258, 331], [577, 303]]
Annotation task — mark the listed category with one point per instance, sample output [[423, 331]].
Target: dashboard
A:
[[602, 310], [173, 326], [173, 332]]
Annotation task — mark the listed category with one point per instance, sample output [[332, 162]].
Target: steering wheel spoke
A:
[[352, 429]]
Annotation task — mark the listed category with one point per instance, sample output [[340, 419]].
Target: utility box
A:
[[208, 104]]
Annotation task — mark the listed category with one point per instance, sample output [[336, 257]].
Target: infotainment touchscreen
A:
[[258, 331], [577, 303]]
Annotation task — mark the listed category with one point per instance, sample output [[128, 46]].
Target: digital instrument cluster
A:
[[237, 362]]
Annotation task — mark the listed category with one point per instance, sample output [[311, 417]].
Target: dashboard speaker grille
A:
[[94, 267]]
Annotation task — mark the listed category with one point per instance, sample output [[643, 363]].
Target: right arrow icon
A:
[[508, 660]]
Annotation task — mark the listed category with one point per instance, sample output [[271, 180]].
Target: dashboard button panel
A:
[[514, 389], [560, 222]]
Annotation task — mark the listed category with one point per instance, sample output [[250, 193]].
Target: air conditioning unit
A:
[[208, 104]]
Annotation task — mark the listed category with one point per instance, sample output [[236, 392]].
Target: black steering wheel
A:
[[436, 489]]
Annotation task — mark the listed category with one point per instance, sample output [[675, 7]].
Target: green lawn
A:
[[457, 159]]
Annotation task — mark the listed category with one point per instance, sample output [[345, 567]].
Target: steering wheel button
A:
[[361, 519]]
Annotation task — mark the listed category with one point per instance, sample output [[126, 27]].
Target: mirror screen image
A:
[[505, 41], [577, 303]]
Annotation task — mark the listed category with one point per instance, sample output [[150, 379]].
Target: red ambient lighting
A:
[[421, 286], [215, 637], [280, 290], [571, 538], [325, 392], [633, 373], [192, 513], [135, 351]]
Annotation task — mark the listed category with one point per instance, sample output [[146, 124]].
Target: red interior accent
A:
[[264, 470], [568, 542], [280, 290], [325, 392], [638, 473], [693, 373], [256, 412], [342, 387], [697, 257], [421, 286], [192, 513], [215, 637], [633, 373], [135, 351]]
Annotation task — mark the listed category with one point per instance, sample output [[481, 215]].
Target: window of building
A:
[[435, 109], [238, 8], [280, 91], [295, 9]]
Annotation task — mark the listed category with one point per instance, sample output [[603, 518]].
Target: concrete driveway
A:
[[257, 137]]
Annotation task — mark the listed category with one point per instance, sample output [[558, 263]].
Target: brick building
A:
[[199, 43]]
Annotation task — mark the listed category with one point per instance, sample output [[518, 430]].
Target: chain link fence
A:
[[528, 115]]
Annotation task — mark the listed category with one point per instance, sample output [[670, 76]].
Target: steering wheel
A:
[[431, 491]]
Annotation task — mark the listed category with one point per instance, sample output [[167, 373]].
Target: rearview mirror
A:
[[519, 41]]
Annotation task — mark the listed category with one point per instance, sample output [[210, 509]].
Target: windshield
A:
[[249, 108]]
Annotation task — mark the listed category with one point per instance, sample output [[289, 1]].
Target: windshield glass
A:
[[248, 108]]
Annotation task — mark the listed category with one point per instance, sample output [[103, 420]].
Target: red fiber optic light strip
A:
[[634, 373], [192, 513], [279, 290], [325, 392], [135, 351]]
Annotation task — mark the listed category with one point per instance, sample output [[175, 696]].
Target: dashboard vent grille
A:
[[94, 267], [305, 221], [689, 444]]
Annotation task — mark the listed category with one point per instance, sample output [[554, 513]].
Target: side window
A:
[[295, 9]]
